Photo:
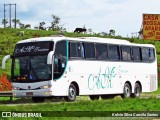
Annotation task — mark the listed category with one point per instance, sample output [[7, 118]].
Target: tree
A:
[[104, 34], [21, 25], [41, 26], [112, 32], [16, 21], [55, 23], [4, 22], [27, 26]]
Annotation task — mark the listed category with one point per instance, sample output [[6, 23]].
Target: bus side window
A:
[[145, 54], [113, 52], [101, 51], [89, 50], [151, 53], [126, 53], [136, 54], [60, 58], [75, 50], [82, 50]]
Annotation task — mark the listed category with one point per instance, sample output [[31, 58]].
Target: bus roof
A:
[[85, 39]]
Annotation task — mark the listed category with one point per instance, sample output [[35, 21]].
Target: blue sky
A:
[[124, 16]]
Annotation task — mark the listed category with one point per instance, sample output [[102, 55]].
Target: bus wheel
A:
[[38, 99], [94, 97], [137, 91], [72, 92], [126, 91]]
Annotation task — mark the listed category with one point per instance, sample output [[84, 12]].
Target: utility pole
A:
[[4, 16], [15, 24], [10, 14]]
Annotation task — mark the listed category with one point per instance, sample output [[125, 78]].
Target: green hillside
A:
[[9, 37]]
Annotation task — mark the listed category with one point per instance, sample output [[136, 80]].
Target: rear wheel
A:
[[137, 91], [72, 92], [126, 91], [38, 99], [94, 97]]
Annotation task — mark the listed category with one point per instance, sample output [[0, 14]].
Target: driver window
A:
[[59, 59]]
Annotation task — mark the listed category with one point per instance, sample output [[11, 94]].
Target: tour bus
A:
[[68, 67]]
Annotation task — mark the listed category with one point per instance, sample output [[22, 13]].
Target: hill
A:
[[9, 37]]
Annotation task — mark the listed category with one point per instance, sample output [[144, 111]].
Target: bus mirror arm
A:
[[50, 58], [4, 61]]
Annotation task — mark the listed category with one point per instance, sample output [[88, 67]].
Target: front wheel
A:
[[72, 92], [126, 91]]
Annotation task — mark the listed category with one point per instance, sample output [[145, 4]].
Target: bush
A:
[[5, 84]]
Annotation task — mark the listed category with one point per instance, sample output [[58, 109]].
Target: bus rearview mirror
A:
[[4, 61]]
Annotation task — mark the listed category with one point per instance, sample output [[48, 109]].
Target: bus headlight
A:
[[45, 86], [15, 88]]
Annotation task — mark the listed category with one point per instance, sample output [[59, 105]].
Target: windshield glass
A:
[[30, 62], [31, 68]]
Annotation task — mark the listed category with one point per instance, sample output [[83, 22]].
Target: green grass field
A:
[[85, 107], [84, 104], [8, 39]]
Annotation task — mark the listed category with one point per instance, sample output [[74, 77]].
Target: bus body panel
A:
[[93, 77], [109, 77]]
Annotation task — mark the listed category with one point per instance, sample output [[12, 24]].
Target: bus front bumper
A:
[[32, 93]]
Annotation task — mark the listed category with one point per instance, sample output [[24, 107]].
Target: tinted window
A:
[[101, 51], [136, 54], [60, 58], [145, 54], [113, 52], [75, 50], [89, 50], [151, 54], [126, 53]]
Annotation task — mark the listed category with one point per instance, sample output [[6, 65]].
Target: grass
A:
[[84, 104], [94, 108], [8, 39]]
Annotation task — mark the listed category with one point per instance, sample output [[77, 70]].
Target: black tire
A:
[[126, 91], [94, 97], [137, 91], [38, 99], [72, 93]]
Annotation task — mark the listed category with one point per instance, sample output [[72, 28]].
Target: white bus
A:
[[69, 67]]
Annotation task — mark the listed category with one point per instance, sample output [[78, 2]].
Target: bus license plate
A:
[[29, 93]]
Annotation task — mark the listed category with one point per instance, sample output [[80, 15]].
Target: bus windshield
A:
[[31, 68], [30, 62]]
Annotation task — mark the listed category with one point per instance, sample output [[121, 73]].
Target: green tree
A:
[[4, 22], [112, 32], [41, 26], [55, 23], [21, 25], [16, 21]]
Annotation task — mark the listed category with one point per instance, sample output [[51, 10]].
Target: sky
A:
[[123, 16]]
